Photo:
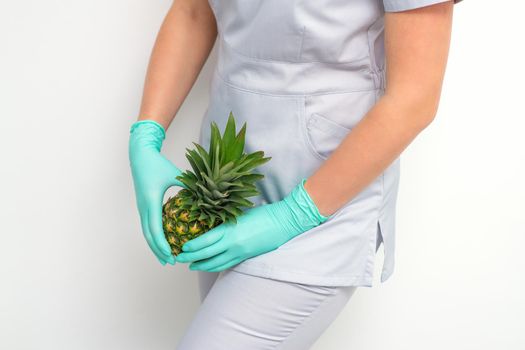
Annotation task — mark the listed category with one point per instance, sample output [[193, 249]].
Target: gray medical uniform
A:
[[302, 74]]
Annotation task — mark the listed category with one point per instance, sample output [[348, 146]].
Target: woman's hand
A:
[[258, 230], [152, 175]]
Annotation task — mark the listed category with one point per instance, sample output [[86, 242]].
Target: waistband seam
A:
[[233, 86]]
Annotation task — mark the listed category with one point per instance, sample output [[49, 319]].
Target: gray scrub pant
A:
[[245, 312]]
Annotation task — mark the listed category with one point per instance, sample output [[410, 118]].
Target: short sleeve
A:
[[402, 5]]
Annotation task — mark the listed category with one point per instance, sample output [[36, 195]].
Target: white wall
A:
[[76, 272]]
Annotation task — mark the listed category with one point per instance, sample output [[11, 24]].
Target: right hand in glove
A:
[[152, 175]]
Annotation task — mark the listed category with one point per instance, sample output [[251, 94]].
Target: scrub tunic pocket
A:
[[324, 135]]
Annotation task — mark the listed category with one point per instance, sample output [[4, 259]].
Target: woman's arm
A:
[[416, 44], [183, 44]]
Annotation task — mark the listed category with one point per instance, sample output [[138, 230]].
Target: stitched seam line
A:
[[302, 43], [303, 124], [262, 267], [289, 95], [252, 58]]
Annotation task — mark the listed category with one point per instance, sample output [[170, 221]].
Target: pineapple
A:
[[218, 187]]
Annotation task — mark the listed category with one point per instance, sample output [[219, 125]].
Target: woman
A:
[[310, 80]]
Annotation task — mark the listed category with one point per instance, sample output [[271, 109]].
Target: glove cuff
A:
[[149, 130], [307, 202], [305, 214]]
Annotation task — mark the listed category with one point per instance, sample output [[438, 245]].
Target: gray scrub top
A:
[[302, 74]]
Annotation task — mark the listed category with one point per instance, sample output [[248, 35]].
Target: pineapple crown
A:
[[222, 178]]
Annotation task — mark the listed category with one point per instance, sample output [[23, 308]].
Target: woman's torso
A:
[[302, 74]]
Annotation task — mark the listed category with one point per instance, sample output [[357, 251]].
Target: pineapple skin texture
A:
[[178, 227]]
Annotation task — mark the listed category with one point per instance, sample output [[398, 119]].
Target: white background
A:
[[76, 272]]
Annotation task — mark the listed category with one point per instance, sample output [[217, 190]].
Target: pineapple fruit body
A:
[[178, 228], [216, 189]]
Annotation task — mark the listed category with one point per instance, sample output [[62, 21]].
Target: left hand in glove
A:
[[258, 230]]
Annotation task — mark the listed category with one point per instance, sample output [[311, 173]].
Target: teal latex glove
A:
[[152, 175], [258, 230]]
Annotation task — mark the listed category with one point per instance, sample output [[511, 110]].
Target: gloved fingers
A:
[[213, 262], [202, 254], [174, 180], [157, 232], [226, 266], [172, 172], [149, 239], [205, 240], [178, 183]]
